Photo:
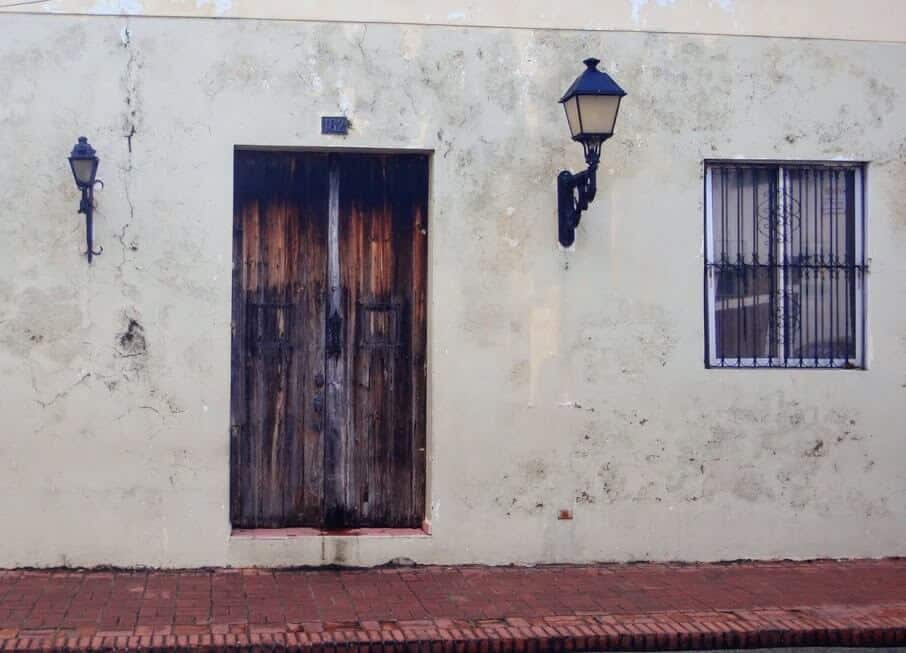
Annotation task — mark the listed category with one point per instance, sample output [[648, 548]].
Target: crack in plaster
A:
[[59, 395], [360, 43], [130, 118]]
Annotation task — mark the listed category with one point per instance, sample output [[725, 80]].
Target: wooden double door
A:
[[328, 343]]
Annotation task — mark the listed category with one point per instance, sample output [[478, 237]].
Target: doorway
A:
[[328, 375]]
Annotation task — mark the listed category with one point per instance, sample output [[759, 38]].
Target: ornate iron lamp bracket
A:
[[574, 193], [86, 206]]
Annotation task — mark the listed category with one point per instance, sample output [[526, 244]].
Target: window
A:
[[784, 265]]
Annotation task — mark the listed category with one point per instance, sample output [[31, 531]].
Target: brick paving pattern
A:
[[459, 609]]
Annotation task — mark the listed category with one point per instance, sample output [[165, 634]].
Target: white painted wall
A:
[[559, 380], [866, 20]]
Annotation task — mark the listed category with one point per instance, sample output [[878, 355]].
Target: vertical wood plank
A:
[[335, 498], [238, 416], [365, 489], [272, 357], [419, 341], [278, 344], [401, 199], [254, 368], [382, 201], [307, 471], [258, 395], [292, 454]]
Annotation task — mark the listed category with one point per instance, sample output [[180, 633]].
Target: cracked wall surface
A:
[[559, 380]]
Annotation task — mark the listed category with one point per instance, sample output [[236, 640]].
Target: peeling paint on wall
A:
[[221, 7], [131, 7], [637, 6]]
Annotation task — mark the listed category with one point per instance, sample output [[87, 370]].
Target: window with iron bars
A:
[[785, 265]]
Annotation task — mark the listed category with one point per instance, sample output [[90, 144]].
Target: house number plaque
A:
[[334, 125]]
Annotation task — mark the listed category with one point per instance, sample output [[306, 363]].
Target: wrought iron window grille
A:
[[785, 266]]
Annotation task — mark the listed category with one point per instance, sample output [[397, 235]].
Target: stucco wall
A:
[[867, 20], [558, 379]]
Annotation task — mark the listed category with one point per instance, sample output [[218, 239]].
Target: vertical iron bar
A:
[[844, 268], [818, 246], [849, 263], [756, 270], [803, 259], [705, 294], [739, 271], [776, 248], [839, 263], [784, 290], [860, 270], [772, 271], [723, 260], [832, 235], [823, 253]]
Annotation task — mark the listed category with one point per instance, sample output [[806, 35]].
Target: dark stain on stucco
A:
[[132, 341]]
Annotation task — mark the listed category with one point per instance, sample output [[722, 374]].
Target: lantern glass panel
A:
[[84, 171], [597, 113], [572, 116]]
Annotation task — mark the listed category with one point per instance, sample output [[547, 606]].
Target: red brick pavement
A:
[[459, 609]]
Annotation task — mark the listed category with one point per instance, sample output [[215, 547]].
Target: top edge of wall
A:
[[869, 20]]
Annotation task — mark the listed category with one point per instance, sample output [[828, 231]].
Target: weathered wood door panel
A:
[[329, 339], [280, 278], [383, 271]]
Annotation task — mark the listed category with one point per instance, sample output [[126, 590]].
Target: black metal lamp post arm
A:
[[86, 206], [574, 193]]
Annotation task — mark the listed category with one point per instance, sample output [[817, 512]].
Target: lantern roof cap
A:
[[82, 149], [593, 82]]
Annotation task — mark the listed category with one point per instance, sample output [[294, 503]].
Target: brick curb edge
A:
[[754, 628]]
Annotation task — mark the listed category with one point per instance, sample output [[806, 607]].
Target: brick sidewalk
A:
[[460, 609]]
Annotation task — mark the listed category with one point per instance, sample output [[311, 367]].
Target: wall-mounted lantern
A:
[[84, 164], [591, 104]]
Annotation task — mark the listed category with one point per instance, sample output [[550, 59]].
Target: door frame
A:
[[429, 324]]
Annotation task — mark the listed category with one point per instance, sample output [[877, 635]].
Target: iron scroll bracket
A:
[[574, 193], [86, 206]]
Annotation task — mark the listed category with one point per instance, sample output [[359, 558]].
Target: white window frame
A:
[[859, 361]]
